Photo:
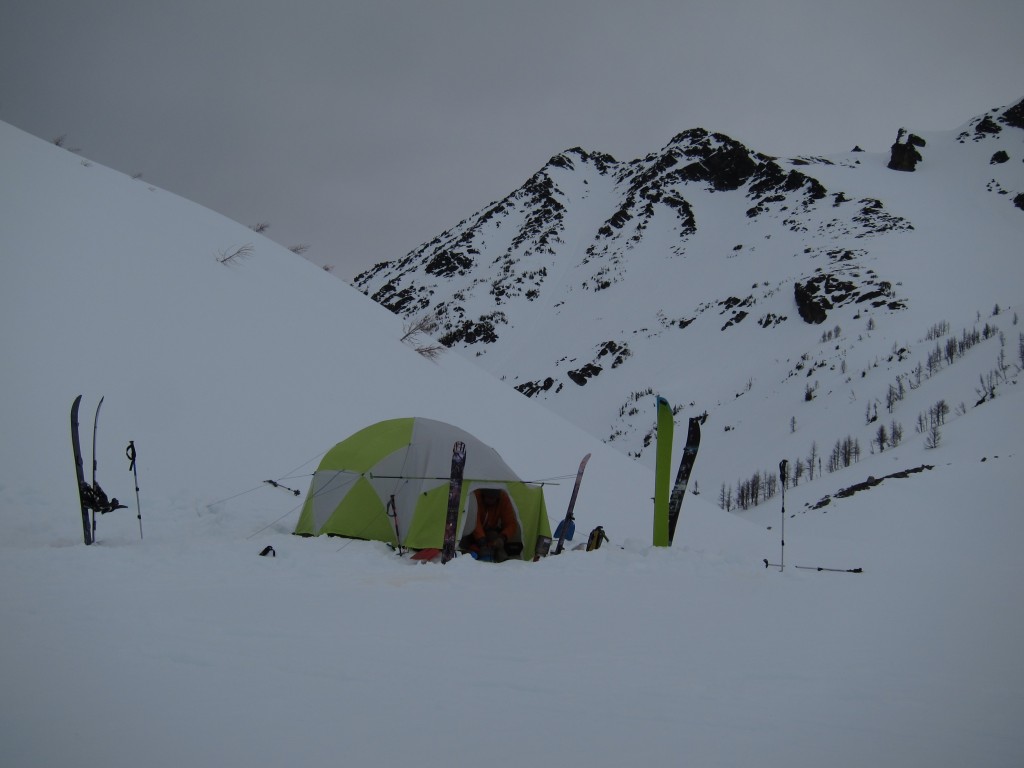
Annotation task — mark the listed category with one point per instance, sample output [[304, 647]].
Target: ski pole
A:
[[392, 512], [276, 484], [834, 570], [130, 453], [814, 568], [782, 531]]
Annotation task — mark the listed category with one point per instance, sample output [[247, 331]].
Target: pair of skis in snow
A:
[[91, 496], [667, 504]]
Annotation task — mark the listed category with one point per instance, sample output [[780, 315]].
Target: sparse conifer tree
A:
[[755, 488], [895, 434]]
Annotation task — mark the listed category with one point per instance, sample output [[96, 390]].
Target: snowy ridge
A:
[[229, 360]]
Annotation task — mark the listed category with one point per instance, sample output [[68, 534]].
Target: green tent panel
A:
[[409, 459]]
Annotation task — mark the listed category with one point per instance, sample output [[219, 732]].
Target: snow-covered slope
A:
[[224, 374], [186, 648]]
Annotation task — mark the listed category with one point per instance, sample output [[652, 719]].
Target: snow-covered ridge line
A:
[[600, 278]]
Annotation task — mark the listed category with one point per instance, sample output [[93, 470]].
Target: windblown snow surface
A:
[[183, 647]]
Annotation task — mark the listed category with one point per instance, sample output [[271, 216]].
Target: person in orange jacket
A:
[[495, 522]]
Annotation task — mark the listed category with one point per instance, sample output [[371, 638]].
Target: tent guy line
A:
[[550, 481]]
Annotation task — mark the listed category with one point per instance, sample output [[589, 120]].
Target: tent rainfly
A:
[[409, 460]]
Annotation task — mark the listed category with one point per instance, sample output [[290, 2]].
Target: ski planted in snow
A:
[[569, 520], [76, 446], [95, 428], [662, 472], [675, 501], [451, 521]]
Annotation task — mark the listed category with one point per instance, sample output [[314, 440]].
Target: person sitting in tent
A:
[[496, 523]]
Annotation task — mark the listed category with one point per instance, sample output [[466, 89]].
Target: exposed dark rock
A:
[[904, 155], [448, 263], [737, 318], [999, 157], [546, 212], [1014, 116], [588, 371], [364, 277], [732, 302], [1019, 201], [826, 291], [771, 319], [726, 167], [770, 178], [561, 161], [811, 308], [685, 212], [395, 301], [987, 125], [620, 218], [618, 351], [471, 332], [531, 388], [871, 482], [876, 219]]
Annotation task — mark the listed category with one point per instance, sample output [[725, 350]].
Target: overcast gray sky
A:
[[367, 128]]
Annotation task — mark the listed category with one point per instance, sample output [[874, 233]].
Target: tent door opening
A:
[[496, 512]]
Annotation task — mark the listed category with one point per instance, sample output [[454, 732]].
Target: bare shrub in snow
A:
[[231, 255]]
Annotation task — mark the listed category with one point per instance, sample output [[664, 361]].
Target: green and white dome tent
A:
[[410, 459]]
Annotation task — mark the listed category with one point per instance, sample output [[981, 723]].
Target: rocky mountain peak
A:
[[580, 286]]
